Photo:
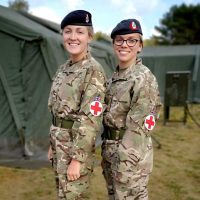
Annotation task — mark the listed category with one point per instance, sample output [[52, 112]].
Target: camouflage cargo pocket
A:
[[146, 162], [63, 146], [127, 165], [87, 167]]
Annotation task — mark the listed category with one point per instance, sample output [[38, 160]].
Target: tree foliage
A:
[[100, 36], [150, 42], [180, 26], [20, 5]]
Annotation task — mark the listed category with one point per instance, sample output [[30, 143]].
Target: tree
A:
[[103, 37], [150, 42], [180, 26], [19, 5]]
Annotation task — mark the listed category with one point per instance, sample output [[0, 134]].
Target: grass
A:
[[176, 173]]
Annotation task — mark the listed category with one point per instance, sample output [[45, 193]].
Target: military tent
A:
[[164, 59], [30, 52]]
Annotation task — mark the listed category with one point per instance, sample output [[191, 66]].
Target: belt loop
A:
[[53, 119], [109, 134], [117, 135], [59, 123]]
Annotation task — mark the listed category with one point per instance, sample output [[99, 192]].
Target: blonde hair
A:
[[141, 42], [141, 39], [90, 31]]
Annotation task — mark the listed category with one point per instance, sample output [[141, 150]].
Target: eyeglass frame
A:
[[136, 40]]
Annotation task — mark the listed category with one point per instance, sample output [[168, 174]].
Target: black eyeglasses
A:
[[129, 42]]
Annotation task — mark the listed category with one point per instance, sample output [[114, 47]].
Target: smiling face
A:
[[127, 54], [76, 39]]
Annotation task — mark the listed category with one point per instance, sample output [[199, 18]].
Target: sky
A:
[[107, 13]]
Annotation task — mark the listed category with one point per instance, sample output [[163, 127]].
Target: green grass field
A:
[[176, 173]]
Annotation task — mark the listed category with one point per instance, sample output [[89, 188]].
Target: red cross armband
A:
[[149, 122], [96, 108]]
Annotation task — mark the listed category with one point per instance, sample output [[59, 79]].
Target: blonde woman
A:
[[76, 102]]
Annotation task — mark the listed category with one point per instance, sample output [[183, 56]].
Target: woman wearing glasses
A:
[[133, 103]]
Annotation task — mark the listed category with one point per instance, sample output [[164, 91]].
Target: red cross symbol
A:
[[96, 108], [149, 122]]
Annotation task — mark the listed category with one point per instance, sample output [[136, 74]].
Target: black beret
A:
[[77, 17], [126, 27]]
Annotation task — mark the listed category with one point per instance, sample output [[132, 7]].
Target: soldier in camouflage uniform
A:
[[133, 103], [76, 102]]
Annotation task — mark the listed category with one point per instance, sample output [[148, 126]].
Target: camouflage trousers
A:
[[109, 160], [126, 174], [61, 143]]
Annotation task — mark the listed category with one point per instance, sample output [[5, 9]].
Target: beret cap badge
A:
[[133, 26], [87, 18]]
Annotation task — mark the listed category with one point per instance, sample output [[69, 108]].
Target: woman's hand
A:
[[73, 171]]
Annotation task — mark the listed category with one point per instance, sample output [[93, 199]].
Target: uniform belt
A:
[[112, 134], [62, 123]]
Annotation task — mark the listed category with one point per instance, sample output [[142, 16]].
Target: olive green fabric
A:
[[30, 52]]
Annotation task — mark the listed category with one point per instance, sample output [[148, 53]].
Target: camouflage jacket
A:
[[75, 87], [132, 95]]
